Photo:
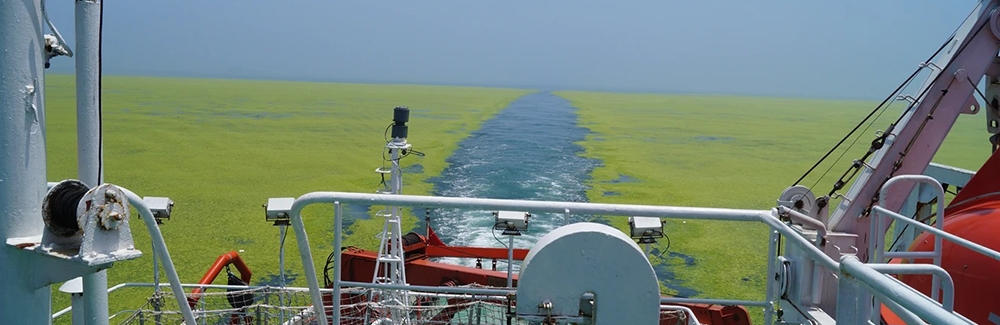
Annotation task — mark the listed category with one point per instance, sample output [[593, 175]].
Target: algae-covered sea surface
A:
[[220, 148], [727, 152]]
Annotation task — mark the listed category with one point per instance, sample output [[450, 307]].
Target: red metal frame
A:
[[359, 265], [220, 264]]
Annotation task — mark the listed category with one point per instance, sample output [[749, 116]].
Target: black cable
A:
[[282, 244], [887, 99], [383, 179], [494, 231], [62, 208], [327, 282], [907, 111], [665, 249], [981, 95], [876, 109], [100, 110], [898, 237], [945, 68]]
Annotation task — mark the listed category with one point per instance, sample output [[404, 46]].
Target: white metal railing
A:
[[940, 233], [858, 280], [340, 198], [160, 247], [903, 299], [416, 291], [876, 248], [941, 278], [906, 301]]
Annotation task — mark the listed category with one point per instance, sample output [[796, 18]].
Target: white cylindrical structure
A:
[[88, 132], [88, 92], [22, 157], [588, 259]]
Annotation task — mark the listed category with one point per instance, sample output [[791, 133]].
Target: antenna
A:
[[389, 266]]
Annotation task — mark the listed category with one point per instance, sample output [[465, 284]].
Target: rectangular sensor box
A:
[[512, 220], [645, 227], [160, 206], [279, 208]]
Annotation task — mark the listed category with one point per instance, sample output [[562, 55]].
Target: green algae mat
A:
[[728, 152], [220, 148]]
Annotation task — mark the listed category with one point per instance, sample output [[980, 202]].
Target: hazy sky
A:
[[830, 49]]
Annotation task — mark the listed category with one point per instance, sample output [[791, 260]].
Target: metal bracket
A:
[[53, 48], [993, 96], [931, 65], [971, 106], [908, 98], [106, 238]]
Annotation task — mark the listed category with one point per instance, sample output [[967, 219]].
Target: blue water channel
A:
[[527, 151]]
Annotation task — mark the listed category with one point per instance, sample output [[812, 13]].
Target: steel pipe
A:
[[938, 232], [948, 299], [939, 190], [814, 253], [338, 216], [161, 250], [423, 291], [886, 289], [909, 254], [772, 253], [907, 316], [723, 302], [535, 206], [806, 220], [305, 252], [454, 290], [948, 285], [692, 318]]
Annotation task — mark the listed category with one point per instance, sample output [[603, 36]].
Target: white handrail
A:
[[160, 247], [876, 249], [886, 289]]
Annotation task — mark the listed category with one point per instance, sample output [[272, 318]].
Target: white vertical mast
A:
[[390, 264], [88, 131], [88, 92], [22, 158]]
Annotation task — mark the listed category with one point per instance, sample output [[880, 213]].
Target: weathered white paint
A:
[[22, 158], [592, 258], [88, 132]]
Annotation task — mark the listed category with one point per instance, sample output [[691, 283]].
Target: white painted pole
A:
[[156, 272], [156, 285], [22, 157], [281, 253], [510, 262], [88, 93], [88, 105], [76, 301]]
